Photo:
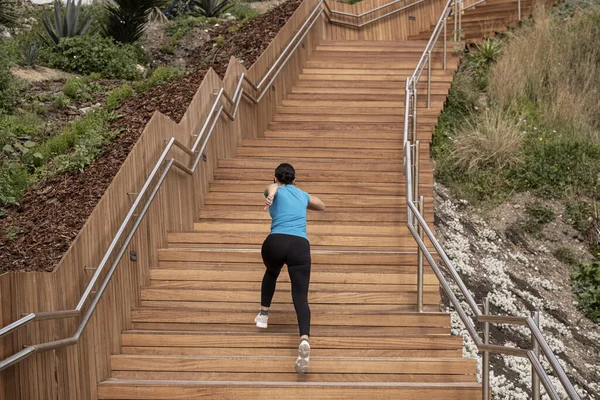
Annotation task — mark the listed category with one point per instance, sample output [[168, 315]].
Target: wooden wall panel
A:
[[398, 26], [73, 373]]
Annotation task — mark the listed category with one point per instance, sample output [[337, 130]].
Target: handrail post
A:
[[445, 45], [416, 161], [519, 7], [535, 379], [455, 19], [485, 367], [429, 79], [421, 208], [414, 119]]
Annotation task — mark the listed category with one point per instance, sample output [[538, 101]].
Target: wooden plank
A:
[[260, 390]]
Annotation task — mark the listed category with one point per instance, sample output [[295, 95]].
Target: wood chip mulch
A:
[[52, 212]]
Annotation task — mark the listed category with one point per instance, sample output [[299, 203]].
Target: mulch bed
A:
[[52, 212]]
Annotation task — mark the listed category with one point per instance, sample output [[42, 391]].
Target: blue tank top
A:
[[288, 211]]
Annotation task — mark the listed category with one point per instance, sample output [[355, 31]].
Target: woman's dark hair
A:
[[285, 173]]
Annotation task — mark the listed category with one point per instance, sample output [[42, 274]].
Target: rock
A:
[[85, 110], [5, 34], [142, 70], [229, 17]]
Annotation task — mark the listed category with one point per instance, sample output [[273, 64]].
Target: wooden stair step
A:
[[324, 109], [308, 164], [326, 143], [393, 258], [382, 87], [293, 329], [281, 296], [318, 365], [406, 72], [400, 78], [424, 133], [330, 216], [356, 188], [240, 306], [287, 341], [341, 126], [331, 287], [254, 273], [452, 62], [200, 316], [259, 390], [319, 229], [283, 376]]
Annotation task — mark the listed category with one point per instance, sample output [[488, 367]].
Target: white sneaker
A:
[[303, 357], [262, 320]]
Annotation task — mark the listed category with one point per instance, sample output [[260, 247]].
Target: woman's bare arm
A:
[[270, 193], [315, 203]]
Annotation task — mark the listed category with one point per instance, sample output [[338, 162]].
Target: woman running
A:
[[288, 244]]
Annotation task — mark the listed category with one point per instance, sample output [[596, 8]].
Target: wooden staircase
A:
[[193, 335], [487, 19]]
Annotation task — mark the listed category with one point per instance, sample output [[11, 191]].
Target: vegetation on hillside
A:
[[522, 116], [103, 49]]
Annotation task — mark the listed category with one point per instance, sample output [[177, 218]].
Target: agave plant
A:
[[30, 53], [69, 24], [207, 8], [127, 19], [8, 15], [212, 8]]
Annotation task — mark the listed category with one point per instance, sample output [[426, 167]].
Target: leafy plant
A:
[[578, 214], [79, 88], [585, 281], [14, 179], [89, 54], [242, 11], [61, 100], [160, 75], [9, 86], [115, 97], [539, 213], [566, 255], [127, 19], [66, 25]]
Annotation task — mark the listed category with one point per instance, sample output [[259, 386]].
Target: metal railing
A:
[[146, 195], [330, 14], [418, 227]]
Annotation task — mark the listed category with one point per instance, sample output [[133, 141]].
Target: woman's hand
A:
[[270, 193], [269, 201]]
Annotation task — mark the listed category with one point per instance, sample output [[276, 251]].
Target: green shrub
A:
[[183, 25], [10, 86], [61, 101], [566, 255], [578, 214], [555, 164], [78, 89], [243, 11], [19, 133], [167, 49], [585, 281], [539, 213], [89, 54], [160, 75], [14, 179], [115, 97], [8, 12]]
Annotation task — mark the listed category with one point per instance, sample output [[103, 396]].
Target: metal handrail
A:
[[357, 25], [417, 225], [164, 163]]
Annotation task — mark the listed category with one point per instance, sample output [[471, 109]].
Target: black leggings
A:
[[279, 249]]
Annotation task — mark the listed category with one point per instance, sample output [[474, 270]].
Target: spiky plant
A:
[[69, 24], [8, 14], [127, 19], [212, 8], [207, 8], [30, 53]]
